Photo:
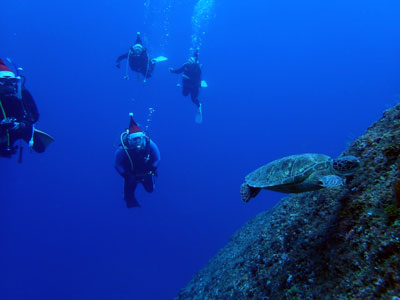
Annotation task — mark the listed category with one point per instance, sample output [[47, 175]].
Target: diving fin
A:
[[160, 59], [203, 84], [199, 116], [41, 140]]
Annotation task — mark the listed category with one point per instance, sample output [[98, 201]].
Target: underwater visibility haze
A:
[[284, 78]]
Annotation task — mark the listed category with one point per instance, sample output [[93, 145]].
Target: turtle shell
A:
[[288, 170]]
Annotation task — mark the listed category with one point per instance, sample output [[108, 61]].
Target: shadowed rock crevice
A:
[[341, 243]]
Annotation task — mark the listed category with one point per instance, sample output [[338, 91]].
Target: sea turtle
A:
[[299, 173]]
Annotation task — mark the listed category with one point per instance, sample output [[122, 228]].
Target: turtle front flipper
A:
[[247, 192], [331, 181]]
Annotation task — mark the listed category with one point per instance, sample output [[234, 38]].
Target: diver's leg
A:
[[185, 90], [132, 64], [129, 192], [150, 69], [195, 96], [148, 183]]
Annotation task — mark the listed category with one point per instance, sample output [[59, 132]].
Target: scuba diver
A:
[[18, 115], [136, 160], [139, 60], [191, 81]]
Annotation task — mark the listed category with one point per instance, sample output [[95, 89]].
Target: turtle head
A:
[[245, 192], [346, 165]]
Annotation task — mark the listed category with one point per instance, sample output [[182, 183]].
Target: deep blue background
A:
[[284, 77]]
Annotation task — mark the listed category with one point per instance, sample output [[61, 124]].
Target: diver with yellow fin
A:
[[139, 60], [18, 115]]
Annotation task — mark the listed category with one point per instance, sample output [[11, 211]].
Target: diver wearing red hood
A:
[[136, 160], [18, 114]]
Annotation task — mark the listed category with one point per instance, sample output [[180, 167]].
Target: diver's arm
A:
[[29, 105], [178, 71], [155, 155], [119, 157], [121, 57]]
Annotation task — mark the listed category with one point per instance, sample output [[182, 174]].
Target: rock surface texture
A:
[[341, 243]]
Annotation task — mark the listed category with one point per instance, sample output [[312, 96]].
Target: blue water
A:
[[284, 77]]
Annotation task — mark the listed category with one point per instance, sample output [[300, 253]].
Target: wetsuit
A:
[[17, 117], [139, 60], [145, 164], [191, 79]]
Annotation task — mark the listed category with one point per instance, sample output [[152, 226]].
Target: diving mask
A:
[[9, 85], [137, 49], [136, 141]]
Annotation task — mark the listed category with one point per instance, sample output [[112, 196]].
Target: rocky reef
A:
[[340, 243]]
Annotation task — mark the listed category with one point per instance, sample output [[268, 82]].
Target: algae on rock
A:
[[342, 243]]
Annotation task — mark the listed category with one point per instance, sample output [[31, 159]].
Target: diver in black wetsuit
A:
[[18, 114], [191, 78], [138, 59], [191, 81]]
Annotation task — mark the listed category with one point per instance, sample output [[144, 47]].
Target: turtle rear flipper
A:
[[331, 181], [247, 192]]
